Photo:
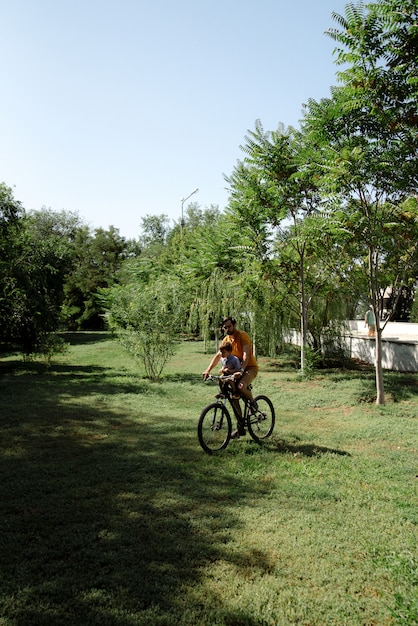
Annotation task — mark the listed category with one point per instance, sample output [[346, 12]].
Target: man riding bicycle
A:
[[242, 348]]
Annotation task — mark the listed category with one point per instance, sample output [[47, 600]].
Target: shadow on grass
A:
[[398, 386], [64, 380], [93, 379], [104, 519], [401, 386], [279, 446], [305, 449], [83, 337]]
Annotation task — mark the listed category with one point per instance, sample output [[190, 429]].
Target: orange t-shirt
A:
[[238, 340]]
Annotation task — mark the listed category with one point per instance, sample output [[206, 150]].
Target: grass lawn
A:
[[112, 515]]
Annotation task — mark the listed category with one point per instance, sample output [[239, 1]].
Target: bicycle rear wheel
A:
[[214, 428], [261, 423]]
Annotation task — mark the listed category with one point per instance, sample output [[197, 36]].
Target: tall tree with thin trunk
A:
[[364, 139]]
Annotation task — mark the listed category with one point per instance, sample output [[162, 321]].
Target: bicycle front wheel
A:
[[214, 428], [261, 423]]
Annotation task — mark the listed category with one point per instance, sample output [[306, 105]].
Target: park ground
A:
[[112, 515]]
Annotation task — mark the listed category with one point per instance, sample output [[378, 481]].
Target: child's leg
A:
[[235, 393]]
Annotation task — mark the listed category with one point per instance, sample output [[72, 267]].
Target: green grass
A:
[[112, 515]]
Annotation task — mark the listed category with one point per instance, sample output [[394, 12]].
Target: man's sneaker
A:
[[239, 432], [220, 396]]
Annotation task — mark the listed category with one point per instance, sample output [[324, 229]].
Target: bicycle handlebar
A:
[[212, 377]]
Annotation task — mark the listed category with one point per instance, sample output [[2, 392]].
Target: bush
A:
[[147, 319]]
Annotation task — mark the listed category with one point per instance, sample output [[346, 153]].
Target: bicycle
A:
[[214, 428]]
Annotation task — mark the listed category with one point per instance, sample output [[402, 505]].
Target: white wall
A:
[[399, 345], [397, 355]]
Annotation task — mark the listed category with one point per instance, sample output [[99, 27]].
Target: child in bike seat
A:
[[230, 365]]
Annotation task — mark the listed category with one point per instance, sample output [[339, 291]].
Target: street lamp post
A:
[[183, 200]]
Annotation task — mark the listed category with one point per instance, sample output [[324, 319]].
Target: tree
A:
[[216, 268], [11, 226], [155, 230], [98, 258], [364, 144], [278, 209], [36, 253], [146, 317], [46, 257]]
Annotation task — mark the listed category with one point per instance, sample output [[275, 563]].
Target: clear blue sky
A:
[[116, 109]]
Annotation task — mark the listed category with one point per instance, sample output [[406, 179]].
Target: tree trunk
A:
[[380, 391], [373, 273], [302, 344], [303, 319]]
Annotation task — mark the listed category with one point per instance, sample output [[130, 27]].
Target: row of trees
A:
[[51, 266], [320, 220], [319, 217]]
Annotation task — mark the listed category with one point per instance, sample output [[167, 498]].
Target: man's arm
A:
[[246, 351]]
